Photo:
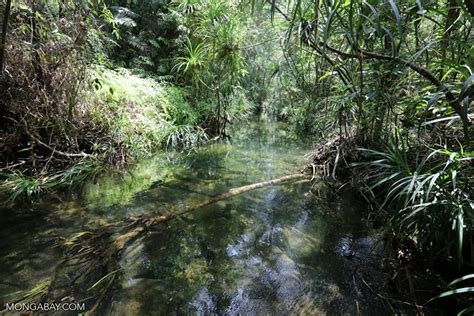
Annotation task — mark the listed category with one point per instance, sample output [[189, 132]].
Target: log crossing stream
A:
[[293, 248]]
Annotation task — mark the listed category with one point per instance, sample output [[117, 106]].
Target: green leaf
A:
[[327, 74], [467, 87], [329, 19], [453, 292], [460, 234], [103, 278], [463, 278], [415, 56], [465, 311], [396, 13]]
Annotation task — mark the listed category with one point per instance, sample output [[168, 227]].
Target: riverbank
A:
[[415, 202], [122, 116]]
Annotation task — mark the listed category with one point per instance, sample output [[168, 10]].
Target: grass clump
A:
[[29, 185]]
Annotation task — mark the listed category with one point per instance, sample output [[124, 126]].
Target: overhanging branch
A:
[[454, 102]]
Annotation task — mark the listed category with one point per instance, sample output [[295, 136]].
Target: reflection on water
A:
[[274, 251]]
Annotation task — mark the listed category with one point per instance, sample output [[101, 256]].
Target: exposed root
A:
[[328, 156], [48, 147]]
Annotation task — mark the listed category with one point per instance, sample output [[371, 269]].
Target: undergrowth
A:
[[128, 117], [141, 113], [428, 198]]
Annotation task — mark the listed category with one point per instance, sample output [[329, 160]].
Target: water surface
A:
[[280, 250]]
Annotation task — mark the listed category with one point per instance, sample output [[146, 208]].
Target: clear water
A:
[[274, 251]]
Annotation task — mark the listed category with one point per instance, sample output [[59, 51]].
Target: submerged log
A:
[[146, 222]]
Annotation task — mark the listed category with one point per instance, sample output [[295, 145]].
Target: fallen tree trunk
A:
[[146, 222]]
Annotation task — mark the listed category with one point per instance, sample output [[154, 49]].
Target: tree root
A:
[[328, 156]]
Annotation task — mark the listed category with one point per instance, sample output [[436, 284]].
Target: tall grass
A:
[[20, 184]]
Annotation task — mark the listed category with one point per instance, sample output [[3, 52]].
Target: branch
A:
[[341, 71], [53, 150], [454, 102], [147, 222], [273, 4]]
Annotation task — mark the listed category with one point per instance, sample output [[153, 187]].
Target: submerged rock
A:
[[363, 248]]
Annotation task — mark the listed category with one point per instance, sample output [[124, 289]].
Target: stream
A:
[[290, 249]]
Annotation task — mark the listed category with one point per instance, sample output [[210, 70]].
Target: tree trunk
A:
[[6, 16]]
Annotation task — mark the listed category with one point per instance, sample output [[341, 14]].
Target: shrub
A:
[[429, 198]]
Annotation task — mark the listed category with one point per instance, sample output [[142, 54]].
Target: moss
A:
[[197, 272]]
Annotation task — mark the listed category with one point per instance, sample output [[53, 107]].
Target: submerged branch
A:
[[93, 256], [146, 222]]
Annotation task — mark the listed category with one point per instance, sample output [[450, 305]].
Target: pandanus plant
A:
[[429, 200], [192, 63]]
